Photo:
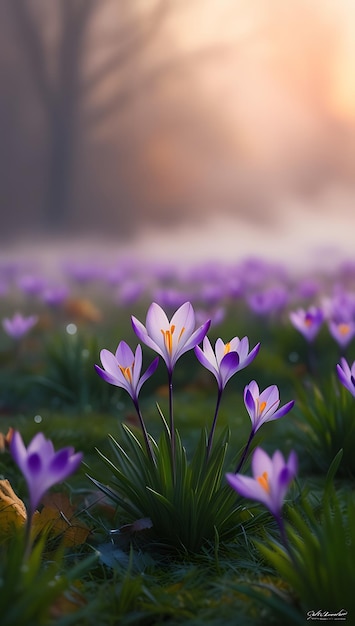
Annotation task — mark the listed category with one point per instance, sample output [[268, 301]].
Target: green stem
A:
[[145, 433], [172, 426], [213, 428], [246, 450]]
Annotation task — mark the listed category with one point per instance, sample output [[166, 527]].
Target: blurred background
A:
[[225, 126]]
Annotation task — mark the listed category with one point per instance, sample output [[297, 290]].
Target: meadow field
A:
[[158, 465]]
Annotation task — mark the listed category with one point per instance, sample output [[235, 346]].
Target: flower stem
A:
[[284, 540], [172, 426], [244, 455], [213, 428], [28, 540], [145, 433]]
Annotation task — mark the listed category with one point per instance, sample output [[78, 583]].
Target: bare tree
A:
[[57, 73]]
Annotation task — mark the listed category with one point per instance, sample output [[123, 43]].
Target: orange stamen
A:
[[227, 347], [344, 329], [168, 338], [127, 372], [264, 482], [181, 332], [262, 406]]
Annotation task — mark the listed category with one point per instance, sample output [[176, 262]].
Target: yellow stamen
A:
[[344, 329], [264, 482], [227, 347], [168, 338], [127, 372], [181, 332], [262, 407]]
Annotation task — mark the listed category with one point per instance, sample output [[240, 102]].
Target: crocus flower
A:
[[263, 407], [227, 358], [123, 369], [307, 322], [173, 338], [347, 375], [342, 331], [41, 466], [271, 479], [268, 301], [18, 325]]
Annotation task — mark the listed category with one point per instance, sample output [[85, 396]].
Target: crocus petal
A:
[[124, 355], [156, 321], [251, 356], [108, 377], [195, 338], [18, 450], [109, 362], [142, 334], [261, 462], [228, 366], [207, 362], [248, 488], [184, 317], [148, 373], [282, 411]]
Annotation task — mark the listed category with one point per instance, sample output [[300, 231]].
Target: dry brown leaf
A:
[[58, 517], [12, 510], [83, 309]]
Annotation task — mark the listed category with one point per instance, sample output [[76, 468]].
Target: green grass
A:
[[129, 579]]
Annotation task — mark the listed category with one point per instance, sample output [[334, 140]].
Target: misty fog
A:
[[227, 124]]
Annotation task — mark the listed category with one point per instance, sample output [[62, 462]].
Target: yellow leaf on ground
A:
[[58, 517], [12, 510]]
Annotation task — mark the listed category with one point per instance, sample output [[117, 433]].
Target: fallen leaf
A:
[[58, 517], [12, 510]]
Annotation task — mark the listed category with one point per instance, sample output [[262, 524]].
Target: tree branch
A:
[[35, 49]]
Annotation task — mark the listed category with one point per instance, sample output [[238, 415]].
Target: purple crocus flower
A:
[[342, 331], [271, 479], [123, 369], [227, 358], [263, 407], [55, 295], [346, 375], [268, 301], [171, 339], [41, 466], [18, 325], [307, 322]]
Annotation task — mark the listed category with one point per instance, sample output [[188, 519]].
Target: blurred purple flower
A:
[[346, 375], [18, 325], [308, 288], [130, 292], [342, 331], [171, 339], [307, 322], [170, 298], [263, 407], [41, 466], [271, 479], [123, 369], [216, 316], [55, 296], [31, 284], [227, 358], [268, 301]]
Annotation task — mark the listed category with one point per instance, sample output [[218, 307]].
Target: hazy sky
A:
[[229, 123]]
